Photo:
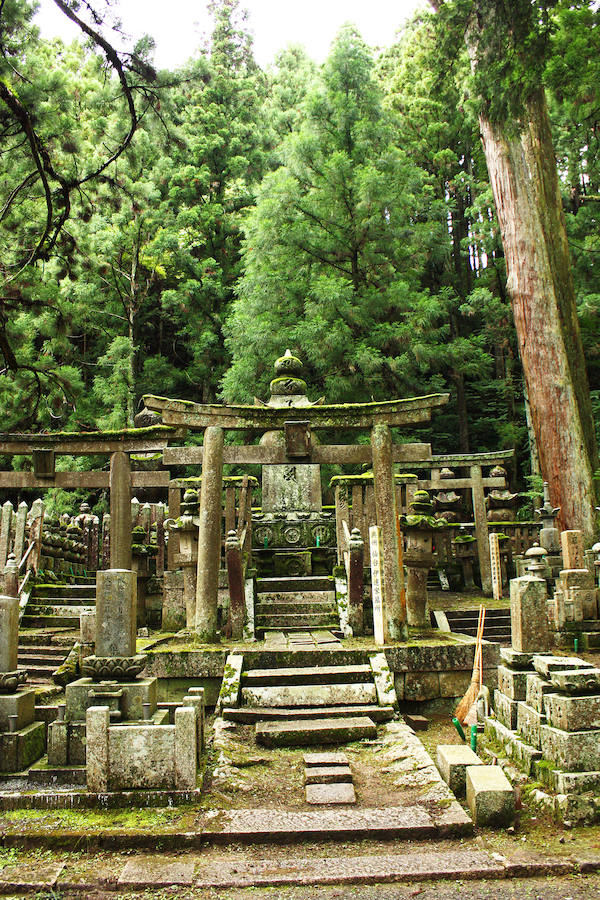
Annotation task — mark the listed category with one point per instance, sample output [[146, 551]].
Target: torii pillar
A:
[[394, 594], [209, 535]]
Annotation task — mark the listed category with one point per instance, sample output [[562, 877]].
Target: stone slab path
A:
[[216, 871], [301, 640], [260, 825]]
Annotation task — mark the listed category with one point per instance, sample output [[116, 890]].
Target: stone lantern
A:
[[419, 527], [447, 503], [500, 504]]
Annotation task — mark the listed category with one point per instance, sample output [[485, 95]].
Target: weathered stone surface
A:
[[174, 608], [19, 750], [528, 724], [316, 731], [512, 683], [454, 684], [9, 633], [545, 665], [80, 695], [185, 748], [308, 675], [573, 713], [421, 686], [528, 614], [328, 775], [325, 759], [506, 710], [309, 694], [156, 872], [573, 751], [490, 796], [230, 687], [20, 704], [452, 761], [97, 771], [516, 659], [30, 876], [408, 866], [412, 822], [586, 681], [384, 681], [537, 687], [416, 722], [116, 611], [317, 794], [572, 549]]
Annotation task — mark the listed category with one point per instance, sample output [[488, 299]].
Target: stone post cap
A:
[[536, 555], [232, 541], [11, 564], [356, 542]]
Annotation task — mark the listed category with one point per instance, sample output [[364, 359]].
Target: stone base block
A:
[[545, 664], [512, 683], [586, 681], [66, 744], [573, 751], [21, 704], [567, 782], [490, 796], [536, 689], [506, 710], [22, 748], [516, 659], [528, 724], [573, 713], [135, 694], [524, 755], [452, 761]]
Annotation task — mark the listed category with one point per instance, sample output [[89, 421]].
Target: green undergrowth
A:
[[93, 820]]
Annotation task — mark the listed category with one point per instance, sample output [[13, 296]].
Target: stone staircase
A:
[[314, 704], [300, 603], [60, 605], [41, 657], [496, 626]]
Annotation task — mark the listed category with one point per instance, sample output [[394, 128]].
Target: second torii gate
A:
[[296, 423]]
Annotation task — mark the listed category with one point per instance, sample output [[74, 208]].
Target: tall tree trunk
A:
[[524, 181]]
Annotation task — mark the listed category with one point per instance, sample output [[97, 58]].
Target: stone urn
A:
[[419, 527]]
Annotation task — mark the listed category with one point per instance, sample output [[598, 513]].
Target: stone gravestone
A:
[[528, 607], [377, 583], [495, 566], [295, 487], [572, 549]]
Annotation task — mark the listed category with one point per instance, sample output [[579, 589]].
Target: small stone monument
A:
[[111, 675], [419, 527], [528, 606]]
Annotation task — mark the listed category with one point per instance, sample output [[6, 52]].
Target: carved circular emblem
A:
[[262, 534], [322, 532], [294, 565], [292, 534]]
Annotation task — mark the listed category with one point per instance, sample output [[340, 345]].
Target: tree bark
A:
[[524, 181]]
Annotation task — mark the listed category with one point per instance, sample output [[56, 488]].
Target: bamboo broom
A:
[[470, 698]]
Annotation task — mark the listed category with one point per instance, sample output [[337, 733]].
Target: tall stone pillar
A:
[[394, 597], [120, 511], [481, 529], [209, 536], [9, 634], [116, 613]]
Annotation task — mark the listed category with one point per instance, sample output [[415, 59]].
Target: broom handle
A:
[[481, 649], [476, 660]]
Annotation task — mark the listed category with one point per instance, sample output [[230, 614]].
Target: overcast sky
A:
[[178, 26]]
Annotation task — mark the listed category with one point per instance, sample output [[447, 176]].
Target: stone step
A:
[[297, 584], [330, 794], [295, 620], [411, 823], [492, 622], [296, 596], [35, 621], [488, 633], [32, 659], [315, 731], [297, 630], [278, 608], [328, 775], [252, 714], [41, 609], [64, 590], [38, 672], [310, 695], [63, 601], [490, 613], [42, 649], [308, 675]]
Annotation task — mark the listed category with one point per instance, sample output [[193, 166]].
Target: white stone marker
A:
[[495, 566], [377, 582]]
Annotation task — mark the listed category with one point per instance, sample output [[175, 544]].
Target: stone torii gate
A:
[[296, 419]]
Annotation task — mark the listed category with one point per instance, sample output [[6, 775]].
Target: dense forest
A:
[[175, 232]]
